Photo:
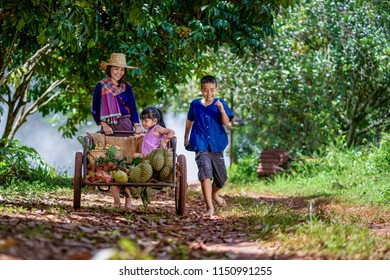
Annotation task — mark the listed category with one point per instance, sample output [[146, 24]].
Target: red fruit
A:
[[107, 178], [106, 168], [100, 173], [90, 166], [110, 163]]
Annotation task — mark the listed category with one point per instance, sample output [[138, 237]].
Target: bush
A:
[[359, 174], [380, 156], [22, 162], [244, 171]]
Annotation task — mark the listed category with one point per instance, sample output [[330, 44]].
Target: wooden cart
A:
[[179, 182]]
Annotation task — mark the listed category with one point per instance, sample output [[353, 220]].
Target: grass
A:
[[334, 241], [359, 176], [348, 191], [329, 232]]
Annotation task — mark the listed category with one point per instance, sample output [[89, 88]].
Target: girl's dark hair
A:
[[108, 72], [153, 113], [208, 79]]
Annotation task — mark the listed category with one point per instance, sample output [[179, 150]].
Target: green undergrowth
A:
[[36, 188], [335, 241], [314, 228], [324, 206], [358, 176]]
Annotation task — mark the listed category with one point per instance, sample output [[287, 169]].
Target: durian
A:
[[135, 174], [150, 155], [146, 171], [166, 174], [141, 173], [157, 161], [168, 157]]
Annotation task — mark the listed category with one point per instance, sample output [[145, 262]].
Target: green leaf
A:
[[144, 196], [111, 152], [136, 161], [80, 139], [20, 24]]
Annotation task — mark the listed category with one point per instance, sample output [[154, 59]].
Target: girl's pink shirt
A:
[[151, 141]]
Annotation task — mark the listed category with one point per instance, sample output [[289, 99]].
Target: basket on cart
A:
[[128, 146]]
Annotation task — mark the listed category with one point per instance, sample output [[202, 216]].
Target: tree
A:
[[51, 49], [325, 73], [357, 86]]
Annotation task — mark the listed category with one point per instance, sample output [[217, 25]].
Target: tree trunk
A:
[[20, 114], [18, 100], [351, 134]]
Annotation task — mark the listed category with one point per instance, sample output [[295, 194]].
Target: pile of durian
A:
[[157, 165]]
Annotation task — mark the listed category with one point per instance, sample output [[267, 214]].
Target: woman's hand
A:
[[106, 128], [138, 129]]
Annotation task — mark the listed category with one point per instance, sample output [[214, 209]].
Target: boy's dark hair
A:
[[108, 72], [208, 79], [153, 113]]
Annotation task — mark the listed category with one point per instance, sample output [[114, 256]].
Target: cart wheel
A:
[[181, 185], [77, 180]]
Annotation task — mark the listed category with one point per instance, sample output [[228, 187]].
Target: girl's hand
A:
[[164, 142]]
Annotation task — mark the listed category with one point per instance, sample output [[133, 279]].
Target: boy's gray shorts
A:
[[211, 165]]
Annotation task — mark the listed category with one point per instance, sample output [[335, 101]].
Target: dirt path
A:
[[49, 228]]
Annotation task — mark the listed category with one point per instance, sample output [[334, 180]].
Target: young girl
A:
[[156, 132]]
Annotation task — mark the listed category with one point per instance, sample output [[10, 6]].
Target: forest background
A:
[[310, 76]]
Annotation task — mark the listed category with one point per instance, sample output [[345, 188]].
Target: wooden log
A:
[[272, 161]]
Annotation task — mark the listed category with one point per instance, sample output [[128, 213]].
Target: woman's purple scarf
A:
[[109, 108]]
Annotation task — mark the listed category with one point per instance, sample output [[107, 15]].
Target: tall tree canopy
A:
[[324, 75], [51, 49]]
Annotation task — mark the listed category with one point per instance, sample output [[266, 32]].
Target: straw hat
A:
[[117, 59]]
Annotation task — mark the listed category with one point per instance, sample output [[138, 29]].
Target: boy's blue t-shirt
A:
[[207, 129]]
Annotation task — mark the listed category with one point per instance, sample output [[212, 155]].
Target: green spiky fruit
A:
[[166, 174], [157, 162], [135, 174], [168, 157], [151, 155], [146, 171]]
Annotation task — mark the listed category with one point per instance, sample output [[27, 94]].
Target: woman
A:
[[114, 107]]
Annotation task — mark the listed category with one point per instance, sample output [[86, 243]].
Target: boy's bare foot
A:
[[209, 212], [219, 200]]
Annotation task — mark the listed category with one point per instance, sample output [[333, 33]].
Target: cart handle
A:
[[117, 131]]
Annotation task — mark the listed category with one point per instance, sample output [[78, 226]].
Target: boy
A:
[[206, 119]]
